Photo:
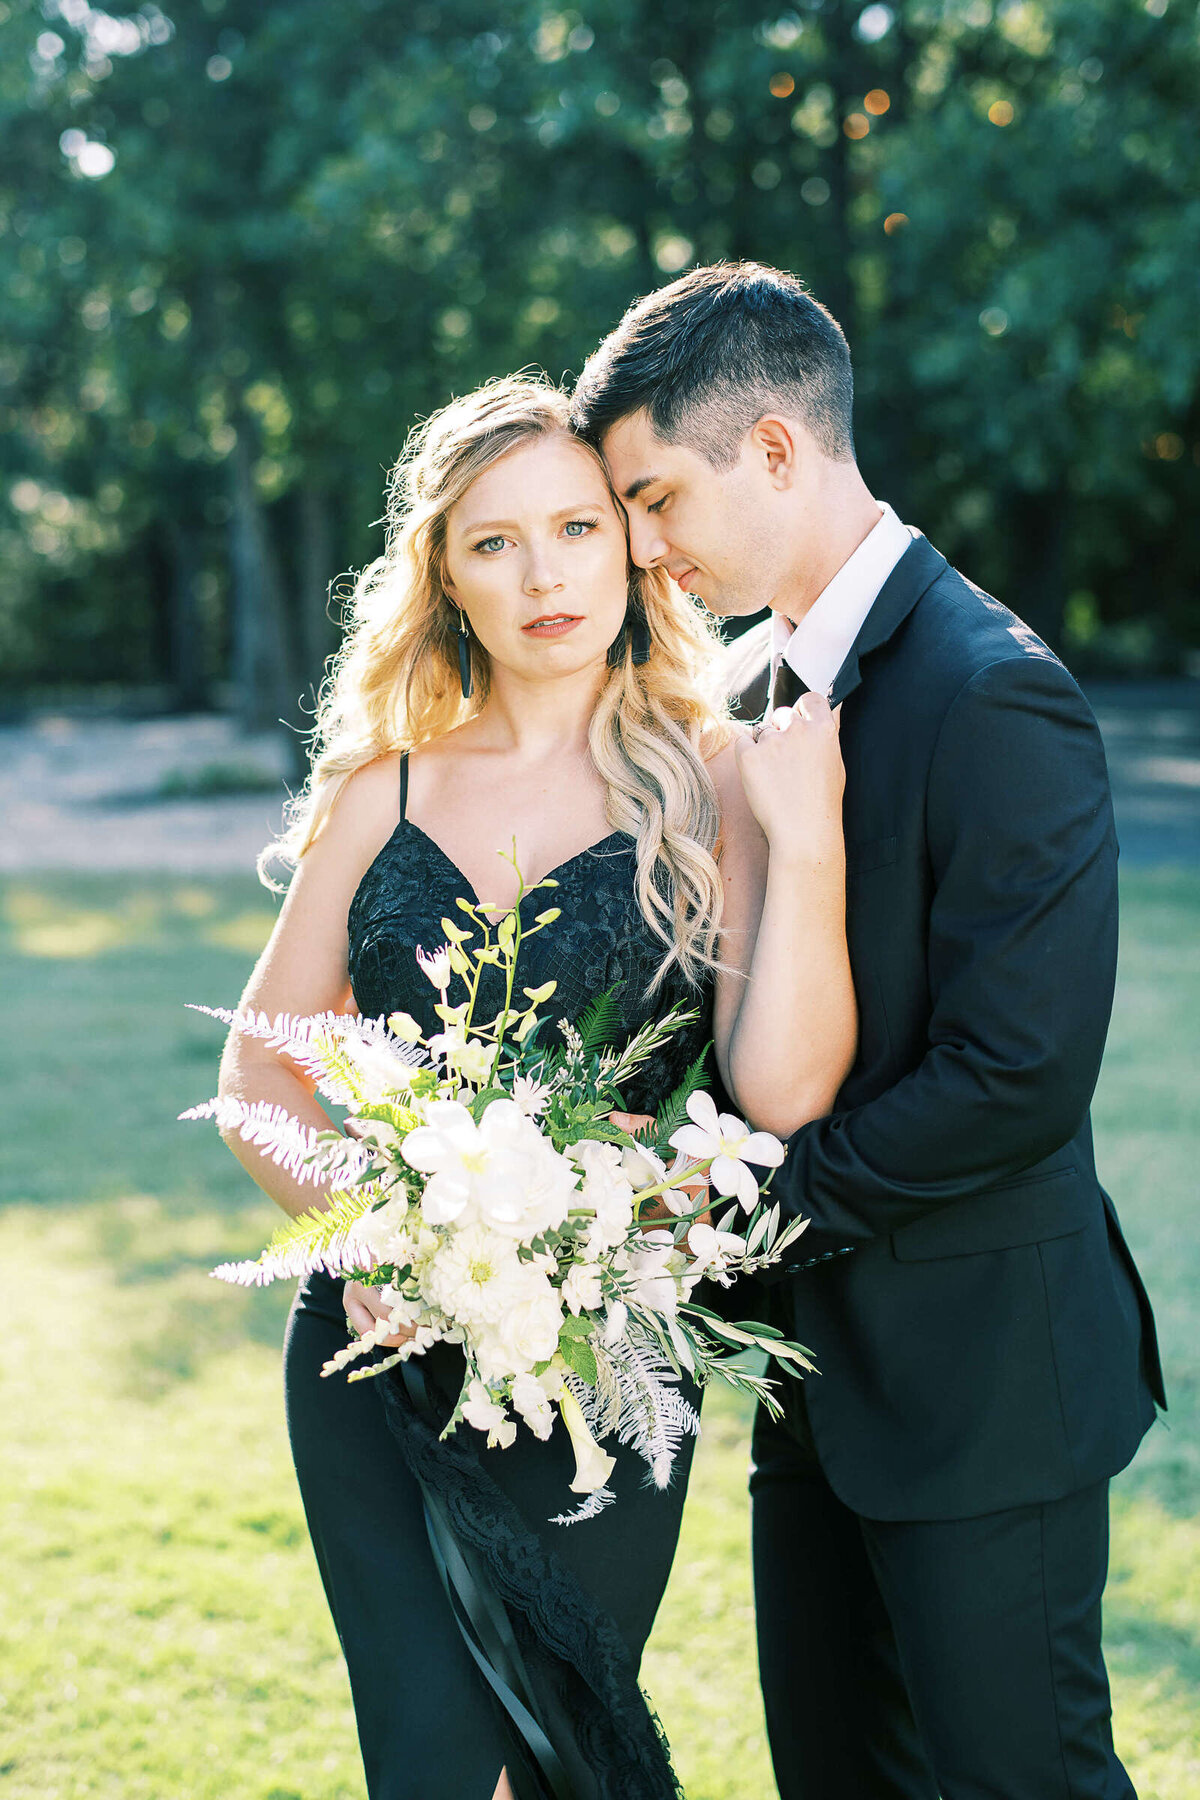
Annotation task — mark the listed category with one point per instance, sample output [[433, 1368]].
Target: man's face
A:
[[715, 531]]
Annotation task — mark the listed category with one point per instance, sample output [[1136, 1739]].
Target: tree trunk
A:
[[264, 671], [187, 660], [319, 631]]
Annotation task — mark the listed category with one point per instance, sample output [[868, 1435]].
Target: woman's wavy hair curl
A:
[[394, 685]]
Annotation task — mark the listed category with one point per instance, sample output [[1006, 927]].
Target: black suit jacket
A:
[[987, 1342]]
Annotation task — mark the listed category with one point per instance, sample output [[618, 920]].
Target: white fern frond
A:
[[312, 1240], [654, 1417], [293, 1146], [310, 1041], [588, 1509]]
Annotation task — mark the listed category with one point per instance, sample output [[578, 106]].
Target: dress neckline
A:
[[407, 824]]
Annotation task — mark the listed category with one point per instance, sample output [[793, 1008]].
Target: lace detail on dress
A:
[[600, 941], [569, 1643]]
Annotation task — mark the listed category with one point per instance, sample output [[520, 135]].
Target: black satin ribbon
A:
[[481, 1617]]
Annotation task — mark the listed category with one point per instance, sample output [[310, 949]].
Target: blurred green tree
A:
[[248, 245]]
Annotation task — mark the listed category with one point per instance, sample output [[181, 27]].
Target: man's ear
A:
[[775, 445]]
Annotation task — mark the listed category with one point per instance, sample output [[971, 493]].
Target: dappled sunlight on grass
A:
[[165, 1629], [71, 917]]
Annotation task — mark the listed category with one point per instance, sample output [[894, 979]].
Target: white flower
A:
[[592, 1465], [436, 965], [532, 1396], [382, 1071], [731, 1144], [531, 1096], [581, 1290], [526, 1331], [475, 1276], [501, 1170], [379, 1231], [652, 1265], [470, 1056], [711, 1248], [608, 1190], [642, 1166], [614, 1328], [486, 1414]]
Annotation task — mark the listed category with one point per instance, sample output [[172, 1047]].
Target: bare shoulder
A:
[[365, 812]]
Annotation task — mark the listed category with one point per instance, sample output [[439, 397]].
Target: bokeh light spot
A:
[[1000, 112], [895, 222], [857, 125], [877, 102], [782, 85]]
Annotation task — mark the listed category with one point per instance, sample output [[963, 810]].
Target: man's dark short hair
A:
[[713, 352]]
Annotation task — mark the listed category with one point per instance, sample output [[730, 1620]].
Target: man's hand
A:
[[794, 779], [656, 1212]]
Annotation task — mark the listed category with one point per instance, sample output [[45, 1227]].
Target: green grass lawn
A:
[[162, 1630]]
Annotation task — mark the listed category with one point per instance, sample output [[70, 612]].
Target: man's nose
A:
[[647, 547]]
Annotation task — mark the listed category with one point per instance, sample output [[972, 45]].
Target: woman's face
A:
[[537, 558]]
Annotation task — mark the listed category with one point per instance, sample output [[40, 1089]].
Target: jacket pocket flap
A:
[[1050, 1206]]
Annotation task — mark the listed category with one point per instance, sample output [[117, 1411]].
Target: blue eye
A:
[[579, 527], [483, 545]]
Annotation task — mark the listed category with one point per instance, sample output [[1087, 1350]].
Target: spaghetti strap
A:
[[403, 782]]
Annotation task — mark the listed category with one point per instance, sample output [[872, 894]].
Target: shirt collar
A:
[[821, 642]]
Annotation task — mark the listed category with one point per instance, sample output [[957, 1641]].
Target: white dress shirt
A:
[[818, 646]]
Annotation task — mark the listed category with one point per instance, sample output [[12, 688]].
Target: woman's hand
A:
[[657, 1212], [364, 1309], [794, 779]]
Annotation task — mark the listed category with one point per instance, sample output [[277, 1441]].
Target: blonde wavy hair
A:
[[394, 685]]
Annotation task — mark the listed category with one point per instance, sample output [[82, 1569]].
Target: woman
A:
[[508, 676]]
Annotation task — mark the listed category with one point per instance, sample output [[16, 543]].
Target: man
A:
[[930, 1519]]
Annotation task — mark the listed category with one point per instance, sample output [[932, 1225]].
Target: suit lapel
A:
[[916, 571]]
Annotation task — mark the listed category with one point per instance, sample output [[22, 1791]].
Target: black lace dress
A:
[[577, 1602]]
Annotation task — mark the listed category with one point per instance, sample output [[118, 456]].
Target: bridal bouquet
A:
[[489, 1199]]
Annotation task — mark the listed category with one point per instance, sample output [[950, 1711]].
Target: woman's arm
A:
[[785, 1017], [304, 968]]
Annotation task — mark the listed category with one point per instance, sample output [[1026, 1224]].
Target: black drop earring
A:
[[464, 655]]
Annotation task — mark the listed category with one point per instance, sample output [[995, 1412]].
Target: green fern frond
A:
[[673, 1111], [599, 1022], [316, 1229]]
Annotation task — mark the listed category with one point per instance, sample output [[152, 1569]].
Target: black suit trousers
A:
[[903, 1660]]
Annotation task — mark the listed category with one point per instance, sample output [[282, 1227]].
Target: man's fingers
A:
[[814, 706]]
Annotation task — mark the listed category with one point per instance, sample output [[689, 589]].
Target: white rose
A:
[[527, 1332], [581, 1290]]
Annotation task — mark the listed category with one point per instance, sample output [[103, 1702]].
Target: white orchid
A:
[[731, 1144], [651, 1267], [712, 1250], [486, 1414], [533, 1397]]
